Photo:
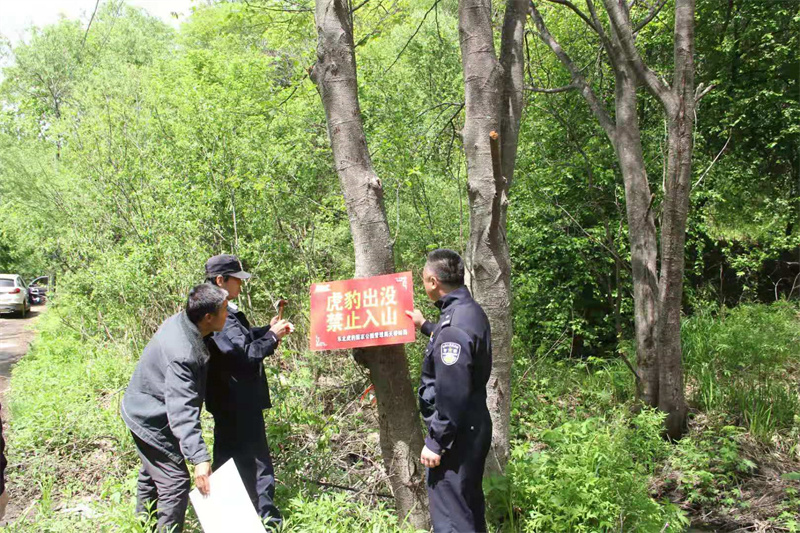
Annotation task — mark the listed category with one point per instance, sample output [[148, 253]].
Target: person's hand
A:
[[429, 459], [201, 473], [416, 316], [281, 328], [274, 320]]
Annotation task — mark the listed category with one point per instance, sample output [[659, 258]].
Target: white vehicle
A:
[[14, 295]]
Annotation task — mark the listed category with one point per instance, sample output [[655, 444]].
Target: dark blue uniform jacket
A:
[[458, 360], [236, 377]]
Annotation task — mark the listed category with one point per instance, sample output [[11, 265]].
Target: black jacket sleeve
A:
[[3, 461], [244, 349], [184, 402], [452, 357]]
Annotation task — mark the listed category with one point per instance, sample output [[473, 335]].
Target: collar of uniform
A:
[[233, 308], [447, 300]]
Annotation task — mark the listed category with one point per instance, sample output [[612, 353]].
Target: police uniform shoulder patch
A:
[[450, 352]]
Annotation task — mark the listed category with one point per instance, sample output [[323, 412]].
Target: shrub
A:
[[707, 464], [587, 476]]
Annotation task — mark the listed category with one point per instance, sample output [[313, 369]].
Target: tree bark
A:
[[493, 103], [642, 232], [678, 102], [675, 213], [400, 429]]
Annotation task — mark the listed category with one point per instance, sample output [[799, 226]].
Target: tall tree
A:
[[335, 76], [493, 90], [657, 294]]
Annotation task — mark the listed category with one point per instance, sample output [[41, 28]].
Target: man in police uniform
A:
[[452, 397], [237, 389]]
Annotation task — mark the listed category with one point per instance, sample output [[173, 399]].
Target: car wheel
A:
[[23, 312]]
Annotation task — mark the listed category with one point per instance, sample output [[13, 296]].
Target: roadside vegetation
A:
[[582, 460]]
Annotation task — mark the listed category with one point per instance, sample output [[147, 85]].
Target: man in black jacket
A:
[[162, 407], [452, 397], [238, 391]]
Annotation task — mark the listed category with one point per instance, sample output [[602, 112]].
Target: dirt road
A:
[[16, 335]]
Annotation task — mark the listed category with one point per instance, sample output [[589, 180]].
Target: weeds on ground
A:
[[587, 476], [744, 362], [581, 461]]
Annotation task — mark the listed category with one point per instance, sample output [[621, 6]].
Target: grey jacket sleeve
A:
[[183, 411]]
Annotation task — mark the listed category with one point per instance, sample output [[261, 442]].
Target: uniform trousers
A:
[[455, 487], [241, 436]]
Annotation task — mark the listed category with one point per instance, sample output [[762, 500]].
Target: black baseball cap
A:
[[226, 265]]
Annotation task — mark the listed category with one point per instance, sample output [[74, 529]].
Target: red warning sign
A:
[[357, 313]]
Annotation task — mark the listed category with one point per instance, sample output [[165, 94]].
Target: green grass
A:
[[581, 460], [744, 362]]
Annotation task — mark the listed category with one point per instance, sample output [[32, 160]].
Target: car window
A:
[[6, 282]]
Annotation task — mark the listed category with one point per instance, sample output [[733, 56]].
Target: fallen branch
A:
[[342, 487]]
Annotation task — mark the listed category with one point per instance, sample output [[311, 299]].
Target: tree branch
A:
[[701, 91], [607, 44], [620, 21], [699, 181], [654, 11], [555, 90], [416, 31], [578, 12], [595, 104], [362, 4], [89, 26], [297, 8], [591, 237]]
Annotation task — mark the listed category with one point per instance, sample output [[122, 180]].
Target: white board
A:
[[228, 507]]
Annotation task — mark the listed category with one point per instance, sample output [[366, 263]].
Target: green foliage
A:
[[130, 154], [590, 475], [67, 390], [741, 362], [708, 465], [334, 513]]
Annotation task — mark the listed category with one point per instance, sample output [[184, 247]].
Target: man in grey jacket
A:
[[162, 406]]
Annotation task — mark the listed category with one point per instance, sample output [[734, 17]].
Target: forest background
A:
[[130, 152]]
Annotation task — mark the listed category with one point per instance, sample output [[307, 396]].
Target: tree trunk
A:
[[680, 128], [493, 93], [642, 231], [400, 431]]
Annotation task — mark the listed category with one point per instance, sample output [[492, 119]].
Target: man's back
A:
[[468, 316], [237, 379], [460, 343], [169, 378]]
